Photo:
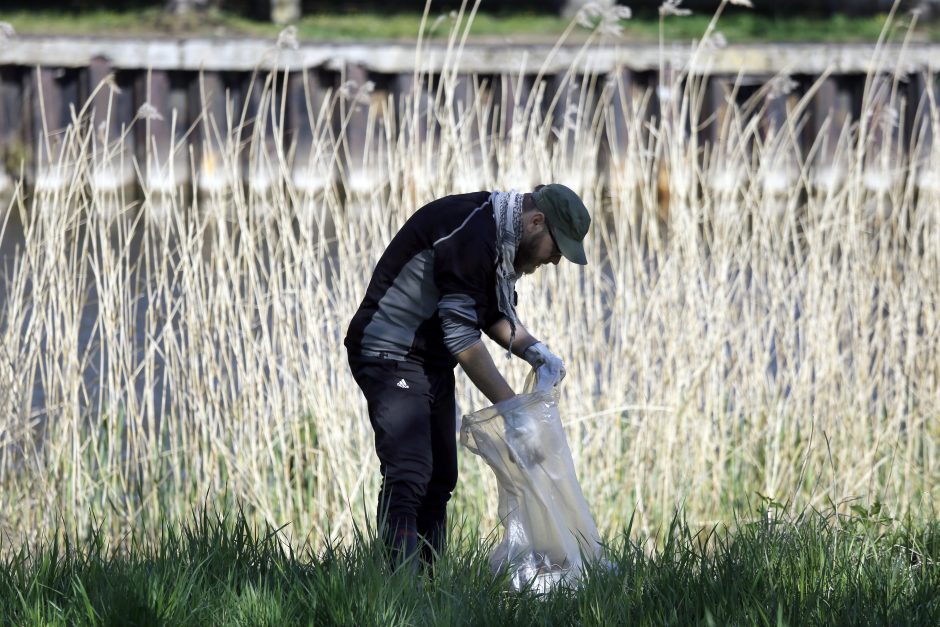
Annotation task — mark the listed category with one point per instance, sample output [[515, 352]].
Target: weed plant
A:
[[760, 313], [513, 27]]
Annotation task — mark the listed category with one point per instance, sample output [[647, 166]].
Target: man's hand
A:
[[549, 368]]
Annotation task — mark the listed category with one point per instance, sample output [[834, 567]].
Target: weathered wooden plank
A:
[[776, 115], [715, 106], [924, 111], [354, 108], [98, 70], [882, 124], [207, 110], [306, 95], [112, 112], [571, 97], [621, 110], [831, 111], [242, 54], [13, 142], [311, 124], [476, 164], [47, 116], [153, 130], [414, 98]]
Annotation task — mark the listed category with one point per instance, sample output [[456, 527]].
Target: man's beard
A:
[[525, 255]]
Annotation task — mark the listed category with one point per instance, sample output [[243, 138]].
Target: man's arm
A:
[[550, 369], [500, 332], [477, 362]]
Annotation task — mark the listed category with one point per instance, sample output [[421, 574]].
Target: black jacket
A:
[[434, 288]]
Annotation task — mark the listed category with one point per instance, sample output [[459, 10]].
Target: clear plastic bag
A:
[[549, 531]]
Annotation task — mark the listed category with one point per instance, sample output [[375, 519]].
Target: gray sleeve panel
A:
[[459, 322], [411, 299]]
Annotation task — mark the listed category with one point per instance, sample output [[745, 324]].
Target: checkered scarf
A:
[[507, 208]]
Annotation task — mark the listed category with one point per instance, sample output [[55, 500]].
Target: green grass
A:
[[811, 569], [737, 27]]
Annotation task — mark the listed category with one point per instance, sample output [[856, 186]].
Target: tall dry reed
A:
[[758, 315]]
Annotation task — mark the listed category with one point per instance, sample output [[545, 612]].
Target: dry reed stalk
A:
[[767, 334]]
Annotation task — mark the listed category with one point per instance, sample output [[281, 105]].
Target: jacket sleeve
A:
[[464, 266]]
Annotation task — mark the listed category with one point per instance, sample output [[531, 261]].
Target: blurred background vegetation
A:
[[516, 20]]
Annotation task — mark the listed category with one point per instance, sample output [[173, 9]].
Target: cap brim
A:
[[572, 249]]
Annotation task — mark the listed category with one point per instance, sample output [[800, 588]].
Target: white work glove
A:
[[549, 368]]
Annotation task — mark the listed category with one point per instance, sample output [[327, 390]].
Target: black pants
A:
[[413, 413]]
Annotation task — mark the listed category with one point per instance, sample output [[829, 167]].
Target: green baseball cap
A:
[[568, 219]]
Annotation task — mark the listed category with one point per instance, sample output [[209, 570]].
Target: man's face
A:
[[537, 246]]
